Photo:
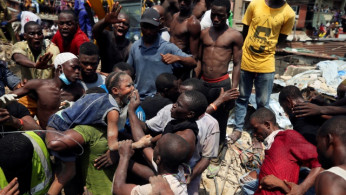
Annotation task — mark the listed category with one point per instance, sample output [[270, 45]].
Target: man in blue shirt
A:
[[151, 55]]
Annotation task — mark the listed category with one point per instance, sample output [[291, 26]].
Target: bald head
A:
[[335, 126], [173, 150], [262, 115], [161, 11]]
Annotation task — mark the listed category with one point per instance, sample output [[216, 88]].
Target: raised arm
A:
[[137, 126], [120, 187], [110, 18], [42, 63]]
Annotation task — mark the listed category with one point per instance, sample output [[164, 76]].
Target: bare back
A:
[[185, 32], [217, 50], [48, 94]]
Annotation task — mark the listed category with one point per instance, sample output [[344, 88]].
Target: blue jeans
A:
[[263, 86]]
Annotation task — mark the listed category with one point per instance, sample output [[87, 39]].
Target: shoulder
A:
[[289, 10], [327, 183], [205, 31], [193, 21], [51, 46], [136, 44], [234, 33], [21, 43]]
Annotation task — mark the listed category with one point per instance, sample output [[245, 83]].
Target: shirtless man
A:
[[48, 91], [219, 44], [185, 31], [331, 147]]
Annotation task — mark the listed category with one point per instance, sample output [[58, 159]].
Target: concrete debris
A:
[[324, 77]]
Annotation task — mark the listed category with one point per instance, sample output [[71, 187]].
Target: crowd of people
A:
[[150, 117]]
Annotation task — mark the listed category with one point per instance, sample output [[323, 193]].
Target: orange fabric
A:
[[30, 104]]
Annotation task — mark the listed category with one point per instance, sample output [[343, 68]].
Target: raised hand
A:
[[43, 61], [112, 16]]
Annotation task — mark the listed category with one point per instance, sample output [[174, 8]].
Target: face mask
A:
[[64, 79]]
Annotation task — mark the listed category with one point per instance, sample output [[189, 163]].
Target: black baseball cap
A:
[[151, 16]]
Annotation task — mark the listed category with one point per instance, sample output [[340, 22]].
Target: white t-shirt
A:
[[206, 20], [27, 16], [175, 182], [100, 81]]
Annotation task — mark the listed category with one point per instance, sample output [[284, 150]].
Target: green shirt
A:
[[95, 138]]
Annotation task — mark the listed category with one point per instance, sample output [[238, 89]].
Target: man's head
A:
[[121, 86], [167, 86], [170, 151], [193, 84], [68, 67], [89, 58], [189, 106], [161, 12], [220, 13], [34, 36], [331, 142], [68, 24], [263, 122], [185, 6], [288, 97], [150, 25], [121, 28], [124, 67], [341, 90], [15, 159]]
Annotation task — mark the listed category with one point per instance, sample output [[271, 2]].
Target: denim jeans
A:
[[263, 86]]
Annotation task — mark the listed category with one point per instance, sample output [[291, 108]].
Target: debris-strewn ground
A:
[[232, 167]]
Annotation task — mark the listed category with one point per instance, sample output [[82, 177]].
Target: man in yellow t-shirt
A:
[[266, 22]]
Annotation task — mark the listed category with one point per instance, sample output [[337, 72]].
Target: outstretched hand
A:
[[306, 109], [112, 16], [43, 61]]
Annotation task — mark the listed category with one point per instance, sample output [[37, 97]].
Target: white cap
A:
[[62, 58]]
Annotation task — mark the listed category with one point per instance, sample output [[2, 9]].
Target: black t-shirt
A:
[[307, 126], [110, 52], [152, 105]]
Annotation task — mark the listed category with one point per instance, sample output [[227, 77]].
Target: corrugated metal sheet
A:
[[337, 48]]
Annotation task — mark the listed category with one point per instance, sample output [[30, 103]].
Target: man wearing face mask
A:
[[48, 91]]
